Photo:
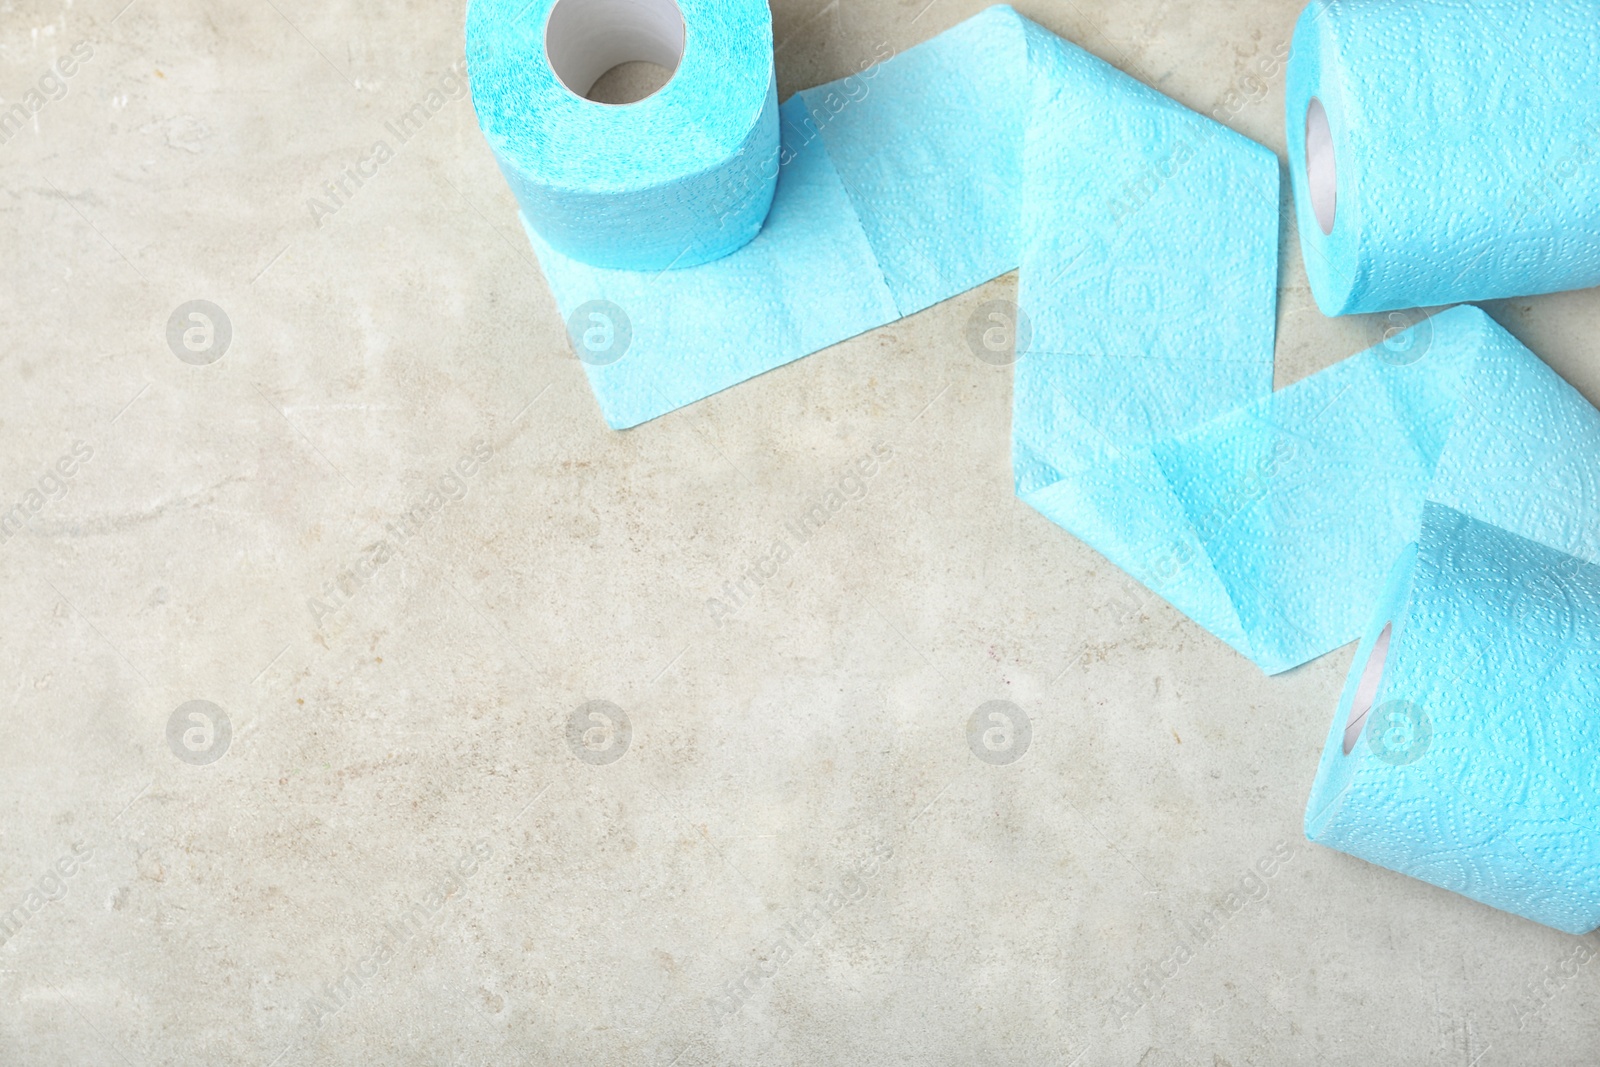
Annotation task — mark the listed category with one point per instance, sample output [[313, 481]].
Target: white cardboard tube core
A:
[[585, 38], [1367, 688], [1322, 172]]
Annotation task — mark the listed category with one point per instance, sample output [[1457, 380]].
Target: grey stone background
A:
[[403, 848]]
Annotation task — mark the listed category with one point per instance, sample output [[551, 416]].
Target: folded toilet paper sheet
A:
[[1444, 151], [1466, 748], [1276, 524]]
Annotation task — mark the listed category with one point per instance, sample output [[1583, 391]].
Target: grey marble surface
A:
[[388, 836]]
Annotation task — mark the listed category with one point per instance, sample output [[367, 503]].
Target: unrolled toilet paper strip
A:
[[1275, 524], [680, 178], [1144, 419], [1462, 149], [1147, 231], [1477, 766]]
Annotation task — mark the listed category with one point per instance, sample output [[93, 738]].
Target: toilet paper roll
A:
[[680, 178], [1445, 150], [1466, 747]]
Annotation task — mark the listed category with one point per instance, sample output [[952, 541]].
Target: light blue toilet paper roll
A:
[[1466, 747], [680, 178], [1454, 149]]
